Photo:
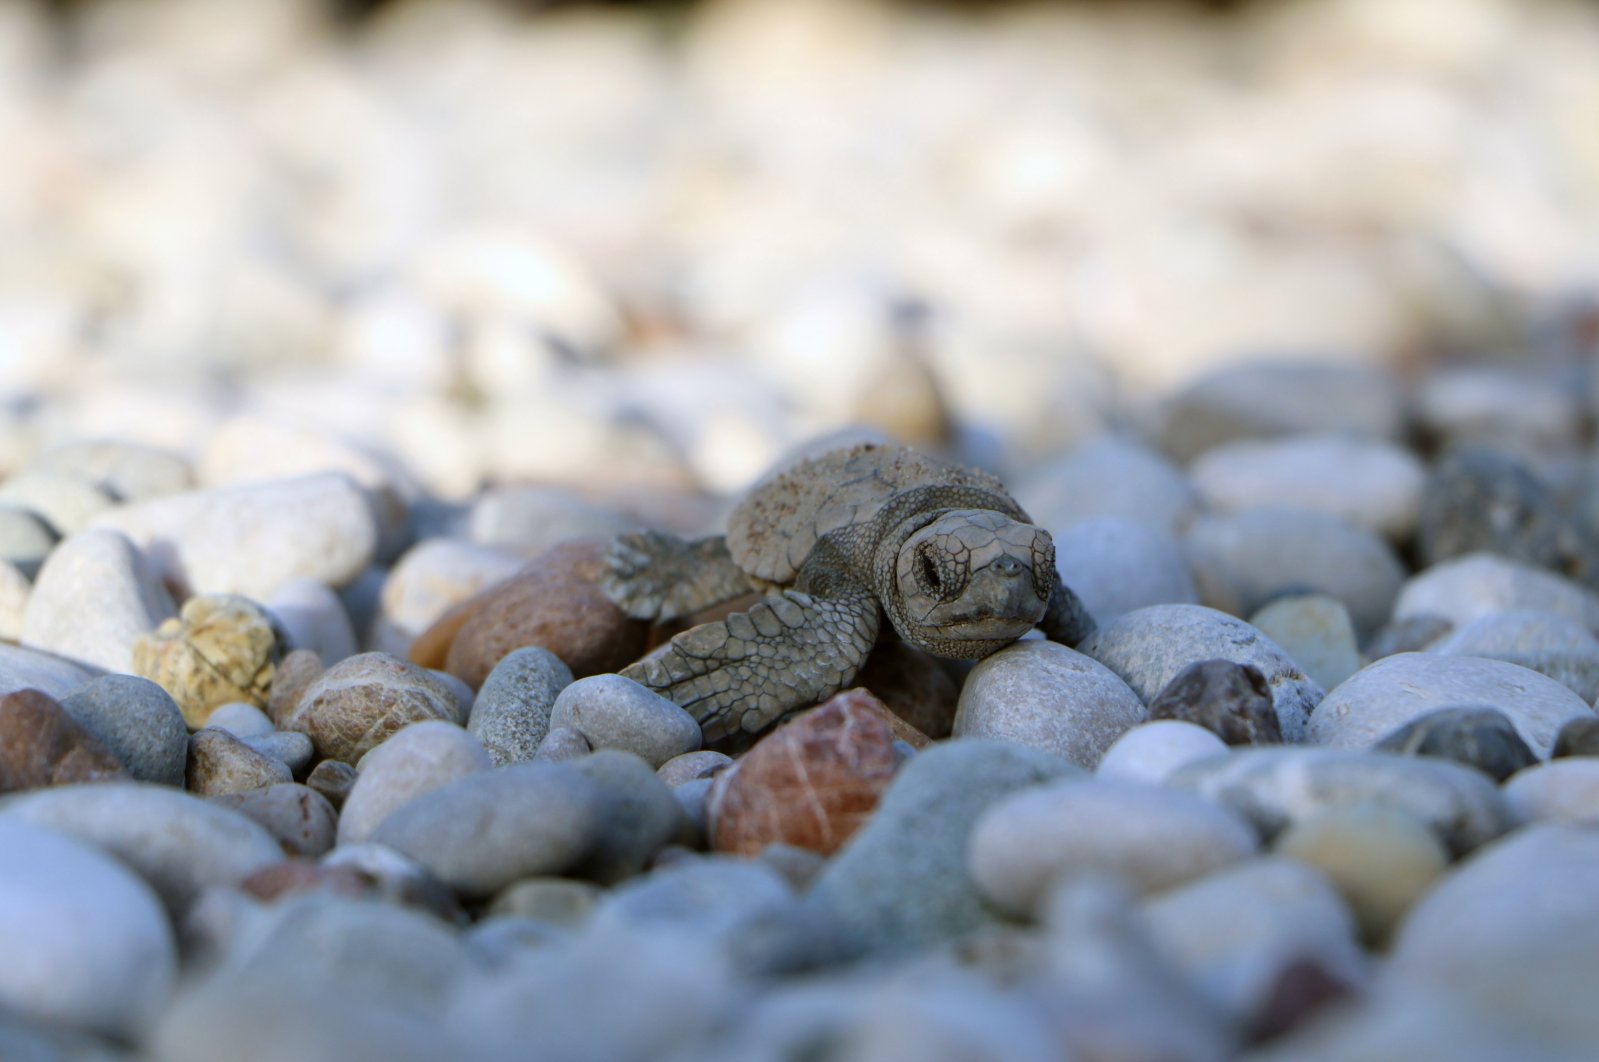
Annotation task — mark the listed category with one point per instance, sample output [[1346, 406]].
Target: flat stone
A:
[[179, 843], [1380, 698], [1370, 483], [93, 598], [901, 883], [1479, 737], [1116, 565], [1314, 629], [357, 703], [1230, 700], [138, 722], [511, 714], [1111, 477], [300, 818], [613, 712], [1148, 648], [1565, 790], [251, 539], [1476, 584], [1151, 752], [26, 538], [1148, 837], [1550, 644], [415, 760], [313, 617], [1046, 696], [1277, 787], [639, 816], [91, 947], [220, 763], [1243, 560], [42, 745], [220, 648], [528, 819]]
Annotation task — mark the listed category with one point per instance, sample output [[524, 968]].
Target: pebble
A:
[[428, 579], [1046, 696], [66, 504], [1480, 737], [1271, 398], [529, 819], [138, 722], [713, 897], [313, 617], [414, 761], [613, 712], [129, 470], [1384, 696], [1275, 788], [180, 843], [1564, 790], [294, 674], [1514, 934], [1112, 477], [26, 539], [239, 719], [1314, 629], [555, 602], [1477, 584], [1380, 860], [14, 591], [1497, 405], [41, 744], [529, 519], [357, 703], [220, 648], [397, 879], [1148, 648], [562, 744], [252, 539], [554, 901], [1147, 837], [1578, 737], [22, 669], [1116, 565], [812, 783], [300, 818], [639, 816], [1241, 561], [1235, 932], [334, 779], [464, 696], [89, 943], [705, 763], [915, 687], [1230, 700], [1550, 644], [511, 714], [1368, 482], [220, 763], [1151, 752], [900, 884], [694, 798]]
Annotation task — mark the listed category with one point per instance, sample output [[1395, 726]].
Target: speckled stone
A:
[[220, 648], [511, 715], [220, 763], [1230, 700], [1478, 736], [138, 721], [42, 745], [356, 704]]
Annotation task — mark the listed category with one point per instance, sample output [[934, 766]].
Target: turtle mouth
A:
[[985, 628]]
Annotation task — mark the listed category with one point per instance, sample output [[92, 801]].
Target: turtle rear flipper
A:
[[652, 575]]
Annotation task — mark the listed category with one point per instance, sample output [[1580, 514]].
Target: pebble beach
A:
[[338, 344]]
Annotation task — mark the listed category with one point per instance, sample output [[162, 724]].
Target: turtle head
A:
[[969, 581]]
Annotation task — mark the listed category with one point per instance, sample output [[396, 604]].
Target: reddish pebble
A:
[[41, 745]]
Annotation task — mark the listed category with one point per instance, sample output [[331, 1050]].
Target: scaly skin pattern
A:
[[652, 575]]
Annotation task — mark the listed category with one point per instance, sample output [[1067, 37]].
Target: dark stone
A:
[[1408, 634], [1302, 990], [913, 686], [42, 745], [1580, 737], [1231, 700], [1476, 735]]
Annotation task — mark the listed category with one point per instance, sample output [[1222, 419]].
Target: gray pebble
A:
[[25, 539], [1478, 736], [287, 746], [613, 712], [1564, 790], [499, 940], [511, 714], [691, 765], [1314, 629], [1407, 634], [561, 745], [640, 816], [693, 796], [299, 817], [1150, 752], [1550, 644], [138, 721], [464, 696], [22, 669], [1115, 565], [130, 470], [414, 761], [1476, 584], [239, 719], [1112, 477], [93, 599]]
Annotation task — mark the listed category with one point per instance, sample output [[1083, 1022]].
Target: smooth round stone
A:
[[299, 817], [1234, 932], [1380, 860], [252, 539], [1231, 700], [89, 943], [294, 750], [93, 598], [1479, 737], [1148, 837], [1382, 697], [1550, 644], [1151, 752], [1314, 629], [694, 797], [1268, 398], [900, 884], [67, 504], [463, 694], [1579, 737], [1514, 933], [179, 843], [1117, 565], [239, 719], [692, 765], [1108, 477], [414, 761], [138, 721], [511, 714], [1477, 584], [42, 745], [14, 591], [431, 577], [314, 618], [1046, 696], [613, 712], [25, 539], [718, 897], [562, 744], [334, 779], [1498, 405], [555, 901], [640, 815], [1370, 483], [530, 518], [23, 669], [129, 470], [356, 704], [1148, 648], [528, 819], [220, 763], [950, 1018], [1277, 787], [1243, 560], [1564, 790]]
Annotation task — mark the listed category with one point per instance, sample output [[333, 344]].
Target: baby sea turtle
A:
[[836, 542]]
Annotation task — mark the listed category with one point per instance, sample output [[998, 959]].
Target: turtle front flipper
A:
[[1066, 619], [652, 575], [786, 652]]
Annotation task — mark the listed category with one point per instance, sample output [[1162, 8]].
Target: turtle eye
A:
[[927, 573]]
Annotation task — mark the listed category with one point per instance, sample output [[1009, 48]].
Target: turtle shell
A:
[[772, 531]]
